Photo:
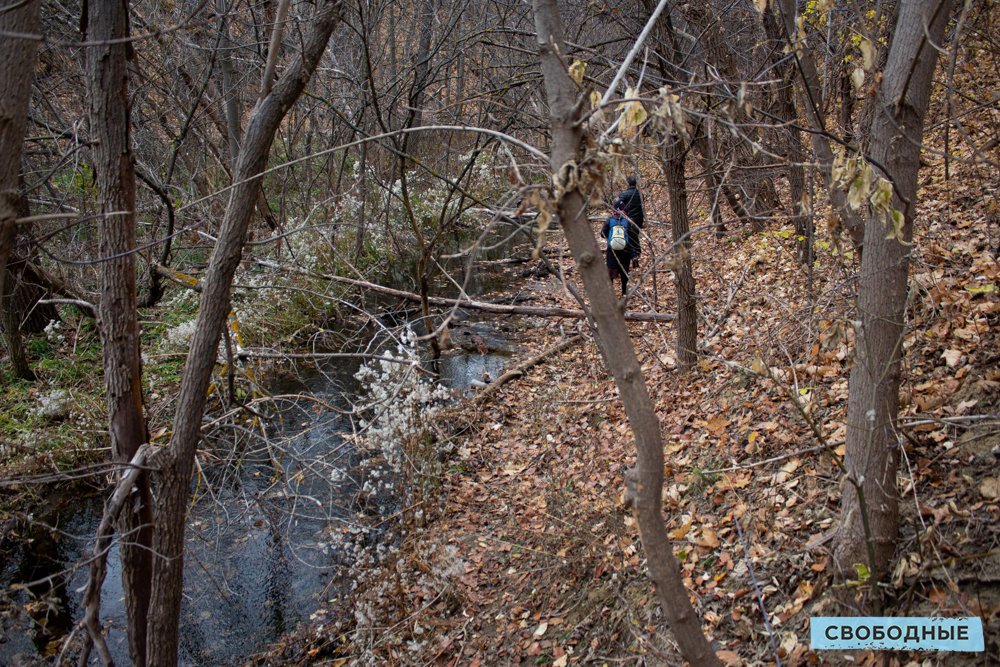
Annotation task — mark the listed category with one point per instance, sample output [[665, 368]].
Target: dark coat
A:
[[630, 201]]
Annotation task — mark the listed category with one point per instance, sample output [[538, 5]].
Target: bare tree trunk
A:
[[791, 140], [687, 312], [802, 220], [411, 143], [114, 166], [754, 196], [674, 158], [155, 290], [230, 93], [28, 284], [11, 321], [176, 463], [17, 66], [846, 111], [811, 103], [359, 234], [619, 354], [873, 406], [420, 72], [706, 149]]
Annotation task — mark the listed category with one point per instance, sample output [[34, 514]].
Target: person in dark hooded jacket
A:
[[620, 261], [630, 201]]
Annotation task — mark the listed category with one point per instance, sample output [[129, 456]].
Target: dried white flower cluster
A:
[[309, 249], [403, 406], [53, 332], [179, 337], [378, 608], [56, 404]]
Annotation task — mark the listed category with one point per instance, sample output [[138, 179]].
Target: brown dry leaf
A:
[[540, 630], [938, 596], [667, 359], [740, 480], [792, 465], [804, 591], [729, 657], [680, 533], [709, 539], [717, 425], [990, 488]]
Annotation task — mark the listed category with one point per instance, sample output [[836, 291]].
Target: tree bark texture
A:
[[704, 144], [751, 193], [17, 66], [674, 157], [10, 322], [107, 24], [687, 311], [176, 464], [790, 139], [873, 405], [230, 93], [421, 73], [812, 104], [567, 166], [28, 285]]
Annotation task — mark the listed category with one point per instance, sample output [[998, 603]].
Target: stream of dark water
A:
[[256, 563], [259, 558]]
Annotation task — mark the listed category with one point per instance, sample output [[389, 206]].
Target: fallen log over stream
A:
[[503, 309], [521, 368]]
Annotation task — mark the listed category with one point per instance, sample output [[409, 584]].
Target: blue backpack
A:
[[617, 232]]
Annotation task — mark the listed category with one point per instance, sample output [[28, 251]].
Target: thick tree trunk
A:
[[17, 65], [687, 312], [674, 158], [619, 354], [29, 285], [872, 440], [177, 463], [114, 166], [801, 218], [705, 146], [10, 323]]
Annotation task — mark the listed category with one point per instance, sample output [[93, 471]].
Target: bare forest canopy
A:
[[196, 197]]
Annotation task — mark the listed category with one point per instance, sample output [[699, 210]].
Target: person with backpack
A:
[[621, 231]]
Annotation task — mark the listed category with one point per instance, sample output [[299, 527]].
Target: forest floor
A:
[[531, 557]]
